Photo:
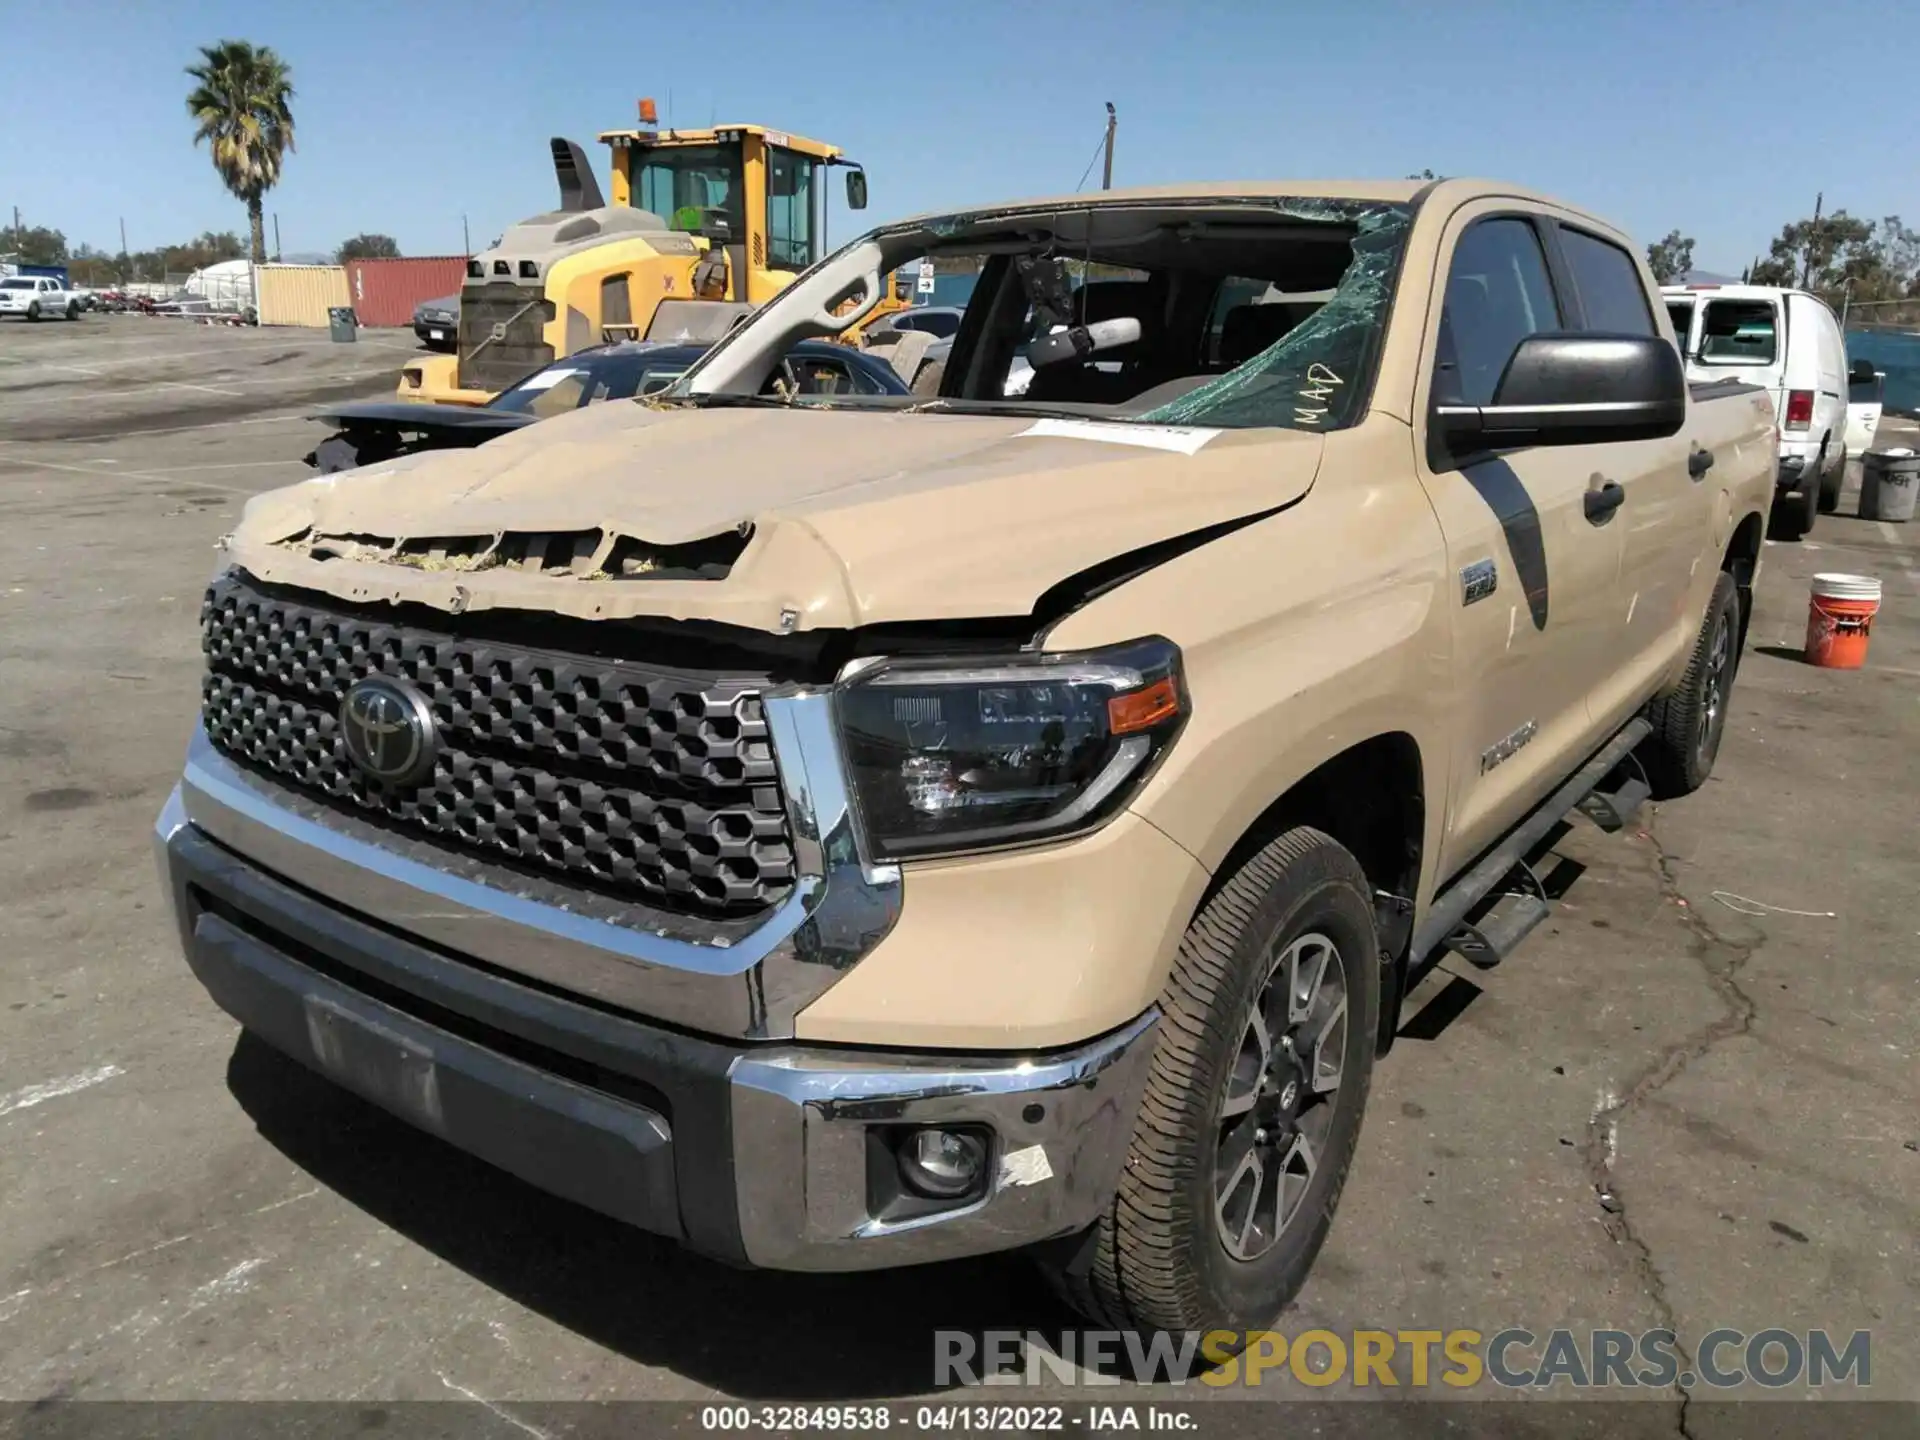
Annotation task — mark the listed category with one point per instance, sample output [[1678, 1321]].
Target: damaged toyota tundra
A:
[[840, 831]]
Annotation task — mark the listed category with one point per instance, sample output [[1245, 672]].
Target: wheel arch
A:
[[1742, 561], [1371, 797]]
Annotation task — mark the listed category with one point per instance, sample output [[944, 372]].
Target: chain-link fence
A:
[[1901, 314]]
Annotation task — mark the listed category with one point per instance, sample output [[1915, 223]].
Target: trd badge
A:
[[1478, 580]]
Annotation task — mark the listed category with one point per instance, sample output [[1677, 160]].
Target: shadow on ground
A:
[[754, 1334]]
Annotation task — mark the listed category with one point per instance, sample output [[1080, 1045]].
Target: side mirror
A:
[[1575, 389], [856, 189], [1861, 372]]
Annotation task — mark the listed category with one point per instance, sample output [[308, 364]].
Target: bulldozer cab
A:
[[755, 196], [698, 226]]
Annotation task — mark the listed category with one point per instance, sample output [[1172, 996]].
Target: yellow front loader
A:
[[701, 226]]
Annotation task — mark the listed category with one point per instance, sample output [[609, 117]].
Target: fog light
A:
[[943, 1164]]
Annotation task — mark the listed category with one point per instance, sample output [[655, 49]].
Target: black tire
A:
[[1688, 723], [1159, 1256], [1830, 485], [1794, 512], [73, 310], [33, 312]]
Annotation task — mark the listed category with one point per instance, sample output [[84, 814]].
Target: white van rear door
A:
[[1682, 311], [1865, 403], [1741, 339]]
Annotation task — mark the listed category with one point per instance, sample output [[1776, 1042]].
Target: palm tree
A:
[[240, 109]]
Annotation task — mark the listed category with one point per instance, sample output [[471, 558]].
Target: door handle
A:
[[1699, 462], [1601, 503]]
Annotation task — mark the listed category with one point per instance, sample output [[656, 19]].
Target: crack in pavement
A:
[[1721, 958]]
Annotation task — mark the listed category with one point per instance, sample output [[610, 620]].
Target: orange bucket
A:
[[1840, 620]]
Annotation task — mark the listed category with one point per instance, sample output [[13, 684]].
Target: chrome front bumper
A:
[[755, 1153]]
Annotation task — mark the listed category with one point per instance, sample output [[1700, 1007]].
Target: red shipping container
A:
[[384, 292]]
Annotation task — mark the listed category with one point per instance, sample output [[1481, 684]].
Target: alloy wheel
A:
[[1713, 698], [1277, 1108]]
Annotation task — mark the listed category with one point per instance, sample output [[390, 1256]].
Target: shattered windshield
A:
[[1231, 311], [1317, 374]]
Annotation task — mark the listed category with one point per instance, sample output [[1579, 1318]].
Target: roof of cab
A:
[[661, 137], [1386, 192], [1731, 291]]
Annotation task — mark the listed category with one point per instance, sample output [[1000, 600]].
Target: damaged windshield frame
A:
[[1317, 373]]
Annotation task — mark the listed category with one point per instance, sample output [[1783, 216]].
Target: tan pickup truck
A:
[[840, 831]]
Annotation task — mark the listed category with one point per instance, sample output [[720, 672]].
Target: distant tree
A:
[[1670, 259], [1883, 265], [90, 265], [1809, 252], [368, 247], [241, 108], [33, 244]]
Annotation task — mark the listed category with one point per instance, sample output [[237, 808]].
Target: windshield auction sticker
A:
[[1182, 438]]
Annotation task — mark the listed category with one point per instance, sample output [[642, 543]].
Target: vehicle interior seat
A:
[[904, 350], [1249, 329]]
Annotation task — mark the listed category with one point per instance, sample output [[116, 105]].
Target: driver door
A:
[[1532, 574]]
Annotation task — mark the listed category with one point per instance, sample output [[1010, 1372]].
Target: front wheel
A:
[[1688, 724], [33, 312], [1252, 1112], [73, 311]]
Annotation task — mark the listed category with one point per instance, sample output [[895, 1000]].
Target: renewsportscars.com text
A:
[[1514, 1358]]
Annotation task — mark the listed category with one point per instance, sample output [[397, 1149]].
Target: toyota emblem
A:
[[388, 730]]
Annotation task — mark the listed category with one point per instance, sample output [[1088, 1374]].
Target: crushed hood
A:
[[855, 517]]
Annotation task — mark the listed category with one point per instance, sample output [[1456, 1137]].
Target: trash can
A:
[[1889, 480], [343, 324]]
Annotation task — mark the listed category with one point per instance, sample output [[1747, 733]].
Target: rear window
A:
[[1609, 284], [1739, 332], [941, 324]]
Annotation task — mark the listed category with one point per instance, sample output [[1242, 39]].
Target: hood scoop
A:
[[581, 554]]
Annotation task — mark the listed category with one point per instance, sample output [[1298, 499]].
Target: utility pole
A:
[[466, 241], [123, 248], [1813, 238], [276, 237], [16, 227], [1113, 122]]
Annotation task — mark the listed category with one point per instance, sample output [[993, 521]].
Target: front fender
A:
[[1303, 635]]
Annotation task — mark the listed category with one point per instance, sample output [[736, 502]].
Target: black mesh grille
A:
[[653, 786], [502, 334]]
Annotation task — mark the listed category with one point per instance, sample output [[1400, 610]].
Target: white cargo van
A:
[[1788, 342]]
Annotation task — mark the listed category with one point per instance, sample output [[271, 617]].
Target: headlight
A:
[[948, 756]]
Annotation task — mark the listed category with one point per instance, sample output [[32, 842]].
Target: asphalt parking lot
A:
[[1685, 1103]]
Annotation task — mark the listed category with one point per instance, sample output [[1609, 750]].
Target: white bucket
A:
[[1846, 587]]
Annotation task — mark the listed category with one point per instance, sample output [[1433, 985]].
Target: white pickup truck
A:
[[37, 297]]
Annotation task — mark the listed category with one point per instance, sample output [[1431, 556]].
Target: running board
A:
[[1494, 928], [1614, 808], [1519, 904]]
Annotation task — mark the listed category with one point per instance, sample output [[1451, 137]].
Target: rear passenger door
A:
[[1667, 517], [1532, 578]]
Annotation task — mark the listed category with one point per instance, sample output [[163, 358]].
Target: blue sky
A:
[[411, 112]]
